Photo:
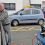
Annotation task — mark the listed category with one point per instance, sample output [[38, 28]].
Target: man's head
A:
[[1, 7]]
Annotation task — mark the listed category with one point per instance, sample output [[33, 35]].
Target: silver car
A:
[[28, 15]]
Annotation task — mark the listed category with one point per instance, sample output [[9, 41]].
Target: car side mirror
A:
[[21, 14]]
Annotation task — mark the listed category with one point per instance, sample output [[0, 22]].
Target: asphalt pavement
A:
[[23, 38], [23, 35]]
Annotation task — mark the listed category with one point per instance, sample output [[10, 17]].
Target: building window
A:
[[10, 6]]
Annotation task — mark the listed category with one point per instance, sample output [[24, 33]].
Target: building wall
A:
[[21, 3], [7, 1], [43, 3], [35, 1], [18, 5], [26, 3]]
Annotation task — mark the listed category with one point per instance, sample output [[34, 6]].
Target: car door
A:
[[25, 16], [35, 15]]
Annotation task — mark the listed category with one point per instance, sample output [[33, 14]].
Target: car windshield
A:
[[17, 12]]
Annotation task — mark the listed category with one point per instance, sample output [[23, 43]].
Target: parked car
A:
[[31, 15]]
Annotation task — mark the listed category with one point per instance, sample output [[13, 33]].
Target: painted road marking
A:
[[25, 28], [22, 30], [30, 29]]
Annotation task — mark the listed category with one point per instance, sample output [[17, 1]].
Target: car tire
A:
[[41, 22], [15, 23]]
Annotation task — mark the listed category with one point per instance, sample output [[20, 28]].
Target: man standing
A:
[[5, 23]]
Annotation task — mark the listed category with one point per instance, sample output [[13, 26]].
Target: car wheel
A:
[[41, 22], [15, 23]]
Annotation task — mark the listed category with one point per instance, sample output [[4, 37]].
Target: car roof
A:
[[25, 9], [31, 8]]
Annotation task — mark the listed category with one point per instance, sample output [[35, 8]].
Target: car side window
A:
[[26, 12], [35, 11]]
